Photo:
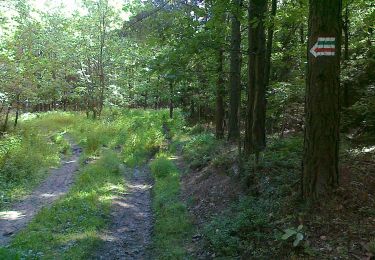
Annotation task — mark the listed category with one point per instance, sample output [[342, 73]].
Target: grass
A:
[[172, 225], [27, 153], [70, 228]]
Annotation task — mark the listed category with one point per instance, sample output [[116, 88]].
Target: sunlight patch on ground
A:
[[11, 215], [50, 195], [362, 150]]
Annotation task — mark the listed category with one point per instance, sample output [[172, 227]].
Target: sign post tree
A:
[[321, 140]]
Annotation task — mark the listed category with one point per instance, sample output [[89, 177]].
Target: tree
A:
[[321, 141], [235, 73], [255, 136]]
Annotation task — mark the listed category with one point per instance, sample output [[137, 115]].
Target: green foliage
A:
[[172, 224], [285, 106], [371, 246], [295, 233], [162, 166], [249, 229], [200, 149], [7, 254], [26, 154], [70, 228], [241, 229]]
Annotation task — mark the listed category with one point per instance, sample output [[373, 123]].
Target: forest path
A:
[[129, 233], [57, 184]]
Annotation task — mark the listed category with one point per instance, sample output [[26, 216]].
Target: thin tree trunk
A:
[[17, 110], [301, 28], [220, 92], [321, 143], [270, 43], [170, 99], [235, 74], [346, 54], [101, 59]]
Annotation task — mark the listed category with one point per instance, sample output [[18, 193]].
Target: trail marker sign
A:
[[325, 46]]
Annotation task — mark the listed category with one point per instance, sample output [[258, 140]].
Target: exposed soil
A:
[[129, 234], [56, 185], [346, 224], [207, 192]]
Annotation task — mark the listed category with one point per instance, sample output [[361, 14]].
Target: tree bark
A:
[[346, 54], [321, 142], [220, 92], [270, 43], [101, 57], [17, 110], [235, 74], [255, 134]]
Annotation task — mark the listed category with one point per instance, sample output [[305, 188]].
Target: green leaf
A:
[[288, 233], [300, 227], [299, 238]]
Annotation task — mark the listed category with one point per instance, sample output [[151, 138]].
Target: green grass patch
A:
[[200, 149], [27, 153], [70, 228], [172, 225]]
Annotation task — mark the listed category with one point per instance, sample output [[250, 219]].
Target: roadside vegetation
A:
[[71, 227], [173, 227], [27, 153]]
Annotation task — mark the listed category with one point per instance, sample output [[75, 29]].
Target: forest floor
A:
[[57, 184], [129, 234], [194, 200]]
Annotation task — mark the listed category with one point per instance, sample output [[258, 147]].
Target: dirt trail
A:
[[129, 234], [56, 185]]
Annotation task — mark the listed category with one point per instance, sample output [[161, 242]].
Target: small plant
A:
[[161, 167], [371, 246], [294, 233]]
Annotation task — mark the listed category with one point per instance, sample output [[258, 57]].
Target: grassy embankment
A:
[[70, 228]]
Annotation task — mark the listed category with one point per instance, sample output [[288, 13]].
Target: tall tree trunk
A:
[[235, 74], [259, 112], [255, 136], [101, 58], [345, 102], [301, 27], [321, 142], [270, 43], [220, 92]]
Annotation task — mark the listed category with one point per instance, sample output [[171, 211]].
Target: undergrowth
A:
[[27, 152], [172, 225], [253, 227], [70, 228]]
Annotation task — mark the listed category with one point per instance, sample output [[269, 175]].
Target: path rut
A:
[[129, 233], [56, 185]]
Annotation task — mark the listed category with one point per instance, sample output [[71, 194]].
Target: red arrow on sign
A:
[[325, 46]]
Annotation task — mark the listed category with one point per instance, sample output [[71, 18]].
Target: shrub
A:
[[200, 149], [162, 166], [240, 229]]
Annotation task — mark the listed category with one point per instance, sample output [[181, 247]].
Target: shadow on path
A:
[[129, 233], [56, 185]]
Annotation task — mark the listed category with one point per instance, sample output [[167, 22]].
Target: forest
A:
[[187, 129]]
